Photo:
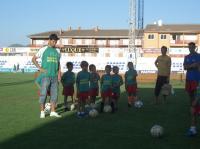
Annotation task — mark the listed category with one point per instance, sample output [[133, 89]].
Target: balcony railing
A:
[[181, 42]]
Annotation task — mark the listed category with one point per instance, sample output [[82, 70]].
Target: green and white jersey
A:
[[50, 60], [130, 77]]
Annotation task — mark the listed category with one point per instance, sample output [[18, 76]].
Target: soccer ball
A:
[[93, 106], [93, 113], [72, 107], [138, 104], [87, 108], [157, 131], [107, 109], [166, 89], [47, 108]]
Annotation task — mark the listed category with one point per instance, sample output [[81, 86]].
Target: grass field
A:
[[21, 127]]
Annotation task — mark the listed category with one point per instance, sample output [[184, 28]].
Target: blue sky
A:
[[20, 18]]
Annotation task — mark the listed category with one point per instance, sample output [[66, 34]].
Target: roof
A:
[[120, 33], [173, 28]]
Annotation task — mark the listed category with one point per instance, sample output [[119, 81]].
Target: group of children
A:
[[87, 86]]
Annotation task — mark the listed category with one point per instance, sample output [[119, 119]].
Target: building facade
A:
[[153, 36], [108, 47], [172, 36]]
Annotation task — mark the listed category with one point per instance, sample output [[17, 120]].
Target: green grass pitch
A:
[[21, 127]]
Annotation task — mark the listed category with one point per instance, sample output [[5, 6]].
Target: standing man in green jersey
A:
[[50, 68]]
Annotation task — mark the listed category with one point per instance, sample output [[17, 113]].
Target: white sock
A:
[[193, 127]]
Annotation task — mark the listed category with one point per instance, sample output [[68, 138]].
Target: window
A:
[[151, 36], [101, 42], [114, 42], [93, 54], [120, 55], [78, 41], [88, 41], [125, 41], [65, 41], [174, 37], [107, 54], [41, 42], [163, 36]]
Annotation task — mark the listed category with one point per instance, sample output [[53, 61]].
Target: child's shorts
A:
[[132, 89], [68, 91], [115, 96], [107, 93], [94, 92], [83, 96]]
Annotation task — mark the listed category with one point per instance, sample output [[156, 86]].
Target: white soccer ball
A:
[[157, 131], [72, 107], [93, 113], [47, 108], [138, 104], [87, 106], [166, 89], [93, 105], [107, 109]]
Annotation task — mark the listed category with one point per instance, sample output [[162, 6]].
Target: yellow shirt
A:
[[163, 65]]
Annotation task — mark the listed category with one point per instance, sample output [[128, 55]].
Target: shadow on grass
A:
[[15, 83], [127, 128]]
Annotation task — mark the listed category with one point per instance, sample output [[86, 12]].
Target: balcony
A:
[[181, 42]]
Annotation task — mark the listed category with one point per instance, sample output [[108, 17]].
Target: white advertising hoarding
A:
[[146, 65]]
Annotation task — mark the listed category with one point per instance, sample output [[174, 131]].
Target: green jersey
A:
[[50, 60], [94, 78], [106, 82], [130, 77], [117, 81], [68, 78], [82, 81]]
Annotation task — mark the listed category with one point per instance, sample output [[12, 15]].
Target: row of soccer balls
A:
[[107, 108]]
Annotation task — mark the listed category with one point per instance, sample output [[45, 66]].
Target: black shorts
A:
[[161, 80]]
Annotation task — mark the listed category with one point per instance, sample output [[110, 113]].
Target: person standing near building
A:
[[131, 84], [68, 81], [191, 65], [94, 83], [83, 87], [117, 81], [163, 64], [50, 68], [106, 88]]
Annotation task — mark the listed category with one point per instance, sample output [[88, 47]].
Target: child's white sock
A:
[[193, 128]]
